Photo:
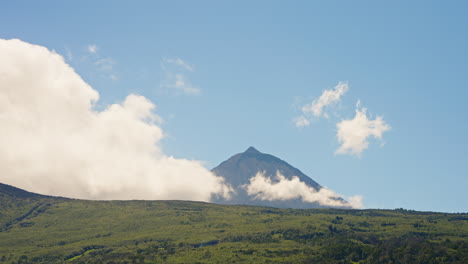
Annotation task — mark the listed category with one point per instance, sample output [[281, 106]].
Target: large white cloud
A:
[[353, 134], [263, 188], [53, 141], [316, 107]]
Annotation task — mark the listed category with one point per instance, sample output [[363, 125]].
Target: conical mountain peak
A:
[[239, 170], [252, 150]]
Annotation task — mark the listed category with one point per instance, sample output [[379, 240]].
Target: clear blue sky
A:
[[252, 65]]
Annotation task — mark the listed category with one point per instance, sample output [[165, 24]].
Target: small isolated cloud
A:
[[92, 48], [176, 78], [53, 141], [327, 98], [353, 134], [263, 188], [316, 108]]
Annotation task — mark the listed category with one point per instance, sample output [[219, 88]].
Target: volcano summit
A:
[[265, 180]]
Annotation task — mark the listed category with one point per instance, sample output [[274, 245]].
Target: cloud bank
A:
[[52, 140], [316, 108], [353, 134], [263, 188]]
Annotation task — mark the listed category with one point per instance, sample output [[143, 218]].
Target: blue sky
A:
[[226, 76]]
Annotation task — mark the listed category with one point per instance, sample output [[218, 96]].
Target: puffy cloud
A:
[[176, 78], [263, 188], [315, 109], [52, 140], [353, 134], [92, 48]]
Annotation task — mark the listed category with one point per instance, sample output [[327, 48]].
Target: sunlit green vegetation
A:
[[52, 230]]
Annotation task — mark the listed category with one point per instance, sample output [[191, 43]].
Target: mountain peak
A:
[[252, 150], [238, 171]]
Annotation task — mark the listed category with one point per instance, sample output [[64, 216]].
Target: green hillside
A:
[[43, 229]]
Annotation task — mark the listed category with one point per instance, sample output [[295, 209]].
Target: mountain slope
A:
[[13, 192], [17, 204], [240, 168]]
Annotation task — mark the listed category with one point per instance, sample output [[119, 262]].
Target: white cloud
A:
[[328, 97], [353, 134], [176, 77], [316, 108], [263, 188], [52, 140], [92, 48]]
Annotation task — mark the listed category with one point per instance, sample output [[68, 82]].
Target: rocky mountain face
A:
[[240, 168]]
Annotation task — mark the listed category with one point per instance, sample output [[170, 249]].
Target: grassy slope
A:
[[48, 230]]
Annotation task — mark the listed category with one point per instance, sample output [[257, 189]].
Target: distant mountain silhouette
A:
[[240, 168]]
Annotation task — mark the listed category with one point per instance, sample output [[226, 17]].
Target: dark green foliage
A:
[[41, 229], [416, 249]]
